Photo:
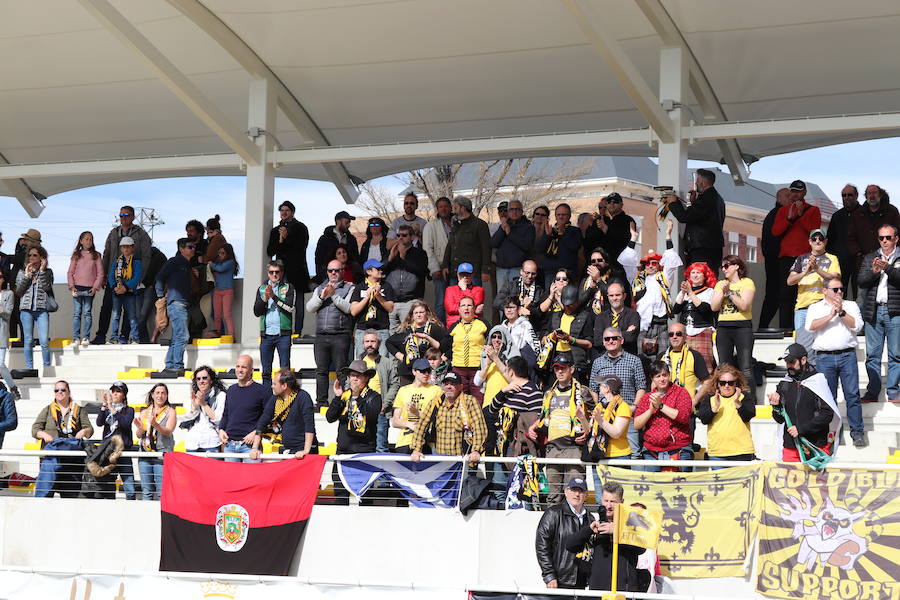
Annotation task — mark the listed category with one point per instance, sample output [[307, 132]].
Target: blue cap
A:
[[577, 483], [372, 263], [465, 268], [421, 364]]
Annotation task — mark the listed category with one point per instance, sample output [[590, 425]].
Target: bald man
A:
[[244, 403]]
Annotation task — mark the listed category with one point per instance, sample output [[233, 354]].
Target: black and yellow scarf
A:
[[149, 441], [356, 420], [68, 425]]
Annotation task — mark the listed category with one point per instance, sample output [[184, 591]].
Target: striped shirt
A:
[[529, 399], [626, 367]]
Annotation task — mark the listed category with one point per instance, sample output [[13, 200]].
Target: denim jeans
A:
[[42, 319], [238, 447], [802, 335], [82, 317], [843, 366], [440, 286], [60, 474], [634, 440], [267, 346], [381, 434], [720, 458], [331, 352], [151, 470], [177, 311], [686, 453], [126, 302], [884, 327]]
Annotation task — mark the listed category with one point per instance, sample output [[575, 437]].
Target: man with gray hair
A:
[[838, 232], [469, 242], [513, 242], [330, 302]]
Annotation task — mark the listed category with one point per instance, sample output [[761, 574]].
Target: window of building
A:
[[751, 254], [732, 247]]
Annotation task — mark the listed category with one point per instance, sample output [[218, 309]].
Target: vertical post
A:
[[673, 171], [259, 205]]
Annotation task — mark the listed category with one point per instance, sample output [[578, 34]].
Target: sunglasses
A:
[[676, 334], [562, 279], [511, 307], [374, 224], [882, 238], [276, 272], [727, 382], [202, 377], [836, 290], [60, 390], [497, 336], [615, 201], [542, 214], [726, 265], [597, 261], [817, 238], [403, 235], [653, 262], [124, 214], [329, 270], [190, 246], [611, 338]]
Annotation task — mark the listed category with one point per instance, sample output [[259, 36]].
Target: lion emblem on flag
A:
[[232, 527]]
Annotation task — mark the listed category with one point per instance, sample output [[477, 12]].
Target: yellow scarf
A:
[[356, 420], [574, 393], [69, 426], [282, 408], [371, 308], [148, 442]]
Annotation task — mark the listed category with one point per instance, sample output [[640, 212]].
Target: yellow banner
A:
[[830, 535], [709, 519], [636, 526]]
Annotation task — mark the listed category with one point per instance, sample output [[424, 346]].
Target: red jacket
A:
[[454, 294], [795, 240], [662, 433]]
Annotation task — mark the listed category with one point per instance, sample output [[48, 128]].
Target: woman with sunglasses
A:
[[694, 309], [375, 245], [207, 406], [733, 300], [62, 419], [34, 287], [552, 302], [154, 427], [351, 271], [726, 407], [599, 273]]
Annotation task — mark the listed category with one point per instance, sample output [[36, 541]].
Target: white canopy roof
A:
[[387, 71]]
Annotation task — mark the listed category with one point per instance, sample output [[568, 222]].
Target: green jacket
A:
[[285, 297]]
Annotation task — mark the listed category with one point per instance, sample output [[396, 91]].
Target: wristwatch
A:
[[842, 313]]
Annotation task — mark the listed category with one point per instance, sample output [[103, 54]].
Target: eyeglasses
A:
[[727, 382], [851, 195], [598, 261], [562, 279], [883, 238], [726, 265], [542, 214], [33, 255], [202, 377], [60, 390], [275, 272], [611, 338], [516, 208], [402, 235], [836, 290], [511, 307], [329, 270], [817, 238], [529, 272], [497, 336], [615, 201], [653, 262], [124, 214], [676, 334]]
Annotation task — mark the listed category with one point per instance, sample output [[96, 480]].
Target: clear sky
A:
[[177, 200]]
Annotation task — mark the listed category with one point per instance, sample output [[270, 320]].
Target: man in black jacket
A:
[[618, 315], [529, 292], [469, 242], [704, 220], [610, 230], [513, 241], [330, 239], [561, 568], [288, 242], [771, 247], [598, 536], [838, 236]]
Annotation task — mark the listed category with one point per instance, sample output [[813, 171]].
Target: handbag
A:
[[51, 303]]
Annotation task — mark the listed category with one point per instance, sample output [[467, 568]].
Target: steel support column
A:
[[258, 206], [673, 81]]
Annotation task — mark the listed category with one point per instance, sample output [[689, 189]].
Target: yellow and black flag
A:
[[637, 526]]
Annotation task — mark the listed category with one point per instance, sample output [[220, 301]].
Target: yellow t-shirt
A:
[[375, 382], [561, 416], [565, 323], [619, 447], [421, 396], [728, 311], [682, 366], [494, 382], [727, 434], [467, 341], [809, 288]]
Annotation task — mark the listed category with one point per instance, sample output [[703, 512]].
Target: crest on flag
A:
[[232, 527]]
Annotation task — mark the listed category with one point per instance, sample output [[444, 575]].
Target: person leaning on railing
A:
[[154, 427], [61, 425]]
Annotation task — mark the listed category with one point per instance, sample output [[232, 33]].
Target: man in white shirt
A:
[[835, 322], [434, 242]]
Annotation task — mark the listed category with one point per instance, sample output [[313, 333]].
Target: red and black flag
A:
[[220, 517]]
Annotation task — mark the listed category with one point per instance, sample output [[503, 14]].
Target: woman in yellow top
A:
[[491, 377], [726, 408], [610, 418], [733, 299]]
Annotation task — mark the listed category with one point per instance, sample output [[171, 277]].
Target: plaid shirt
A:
[[626, 367], [448, 424]]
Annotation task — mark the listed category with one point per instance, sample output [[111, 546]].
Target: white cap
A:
[[126, 241]]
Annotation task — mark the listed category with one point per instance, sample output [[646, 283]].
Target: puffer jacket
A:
[[557, 523], [25, 291], [332, 313], [868, 286]]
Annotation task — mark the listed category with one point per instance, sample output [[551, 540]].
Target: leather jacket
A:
[[557, 523]]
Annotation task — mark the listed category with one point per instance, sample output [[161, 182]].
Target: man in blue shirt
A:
[[244, 404], [173, 283], [274, 306]]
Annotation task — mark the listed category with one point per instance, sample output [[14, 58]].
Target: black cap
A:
[[615, 198], [798, 185], [794, 352], [569, 295], [288, 204], [343, 215], [451, 377], [563, 359]]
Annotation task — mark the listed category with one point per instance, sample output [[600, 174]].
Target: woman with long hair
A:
[[694, 310], [733, 299], [207, 406], [375, 244], [664, 415], [225, 267], [34, 287], [553, 302], [85, 279], [418, 332], [352, 270], [154, 427], [726, 407]]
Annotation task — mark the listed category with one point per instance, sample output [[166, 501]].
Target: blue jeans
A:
[[843, 366], [177, 310], [151, 470], [634, 440], [884, 326], [802, 335], [82, 319], [440, 286], [381, 434], [686, 453], [42, 318], [125, 470], [267, 346], [127, 302], [239, 448]]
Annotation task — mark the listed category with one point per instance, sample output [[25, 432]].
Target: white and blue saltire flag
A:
[[424, 484]]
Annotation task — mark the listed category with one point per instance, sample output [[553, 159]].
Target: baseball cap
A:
[[794, 352], [817, 232], [120, 385], [465, 268], [798, 185], [372, 263], [615, 198], [563, 359], [569, 295], [452, 377], [577, 483], [343, 215], [421, 364], [126, 241]]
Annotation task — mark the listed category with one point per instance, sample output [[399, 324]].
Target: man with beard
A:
[[330, 239], [384, 380], [513, 242], [876, 212], [287, 243], [838, 234]]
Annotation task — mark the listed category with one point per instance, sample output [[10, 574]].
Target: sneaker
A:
[[75, 343], [98, 341], [85, 343], [133, 342], [859, 439]]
